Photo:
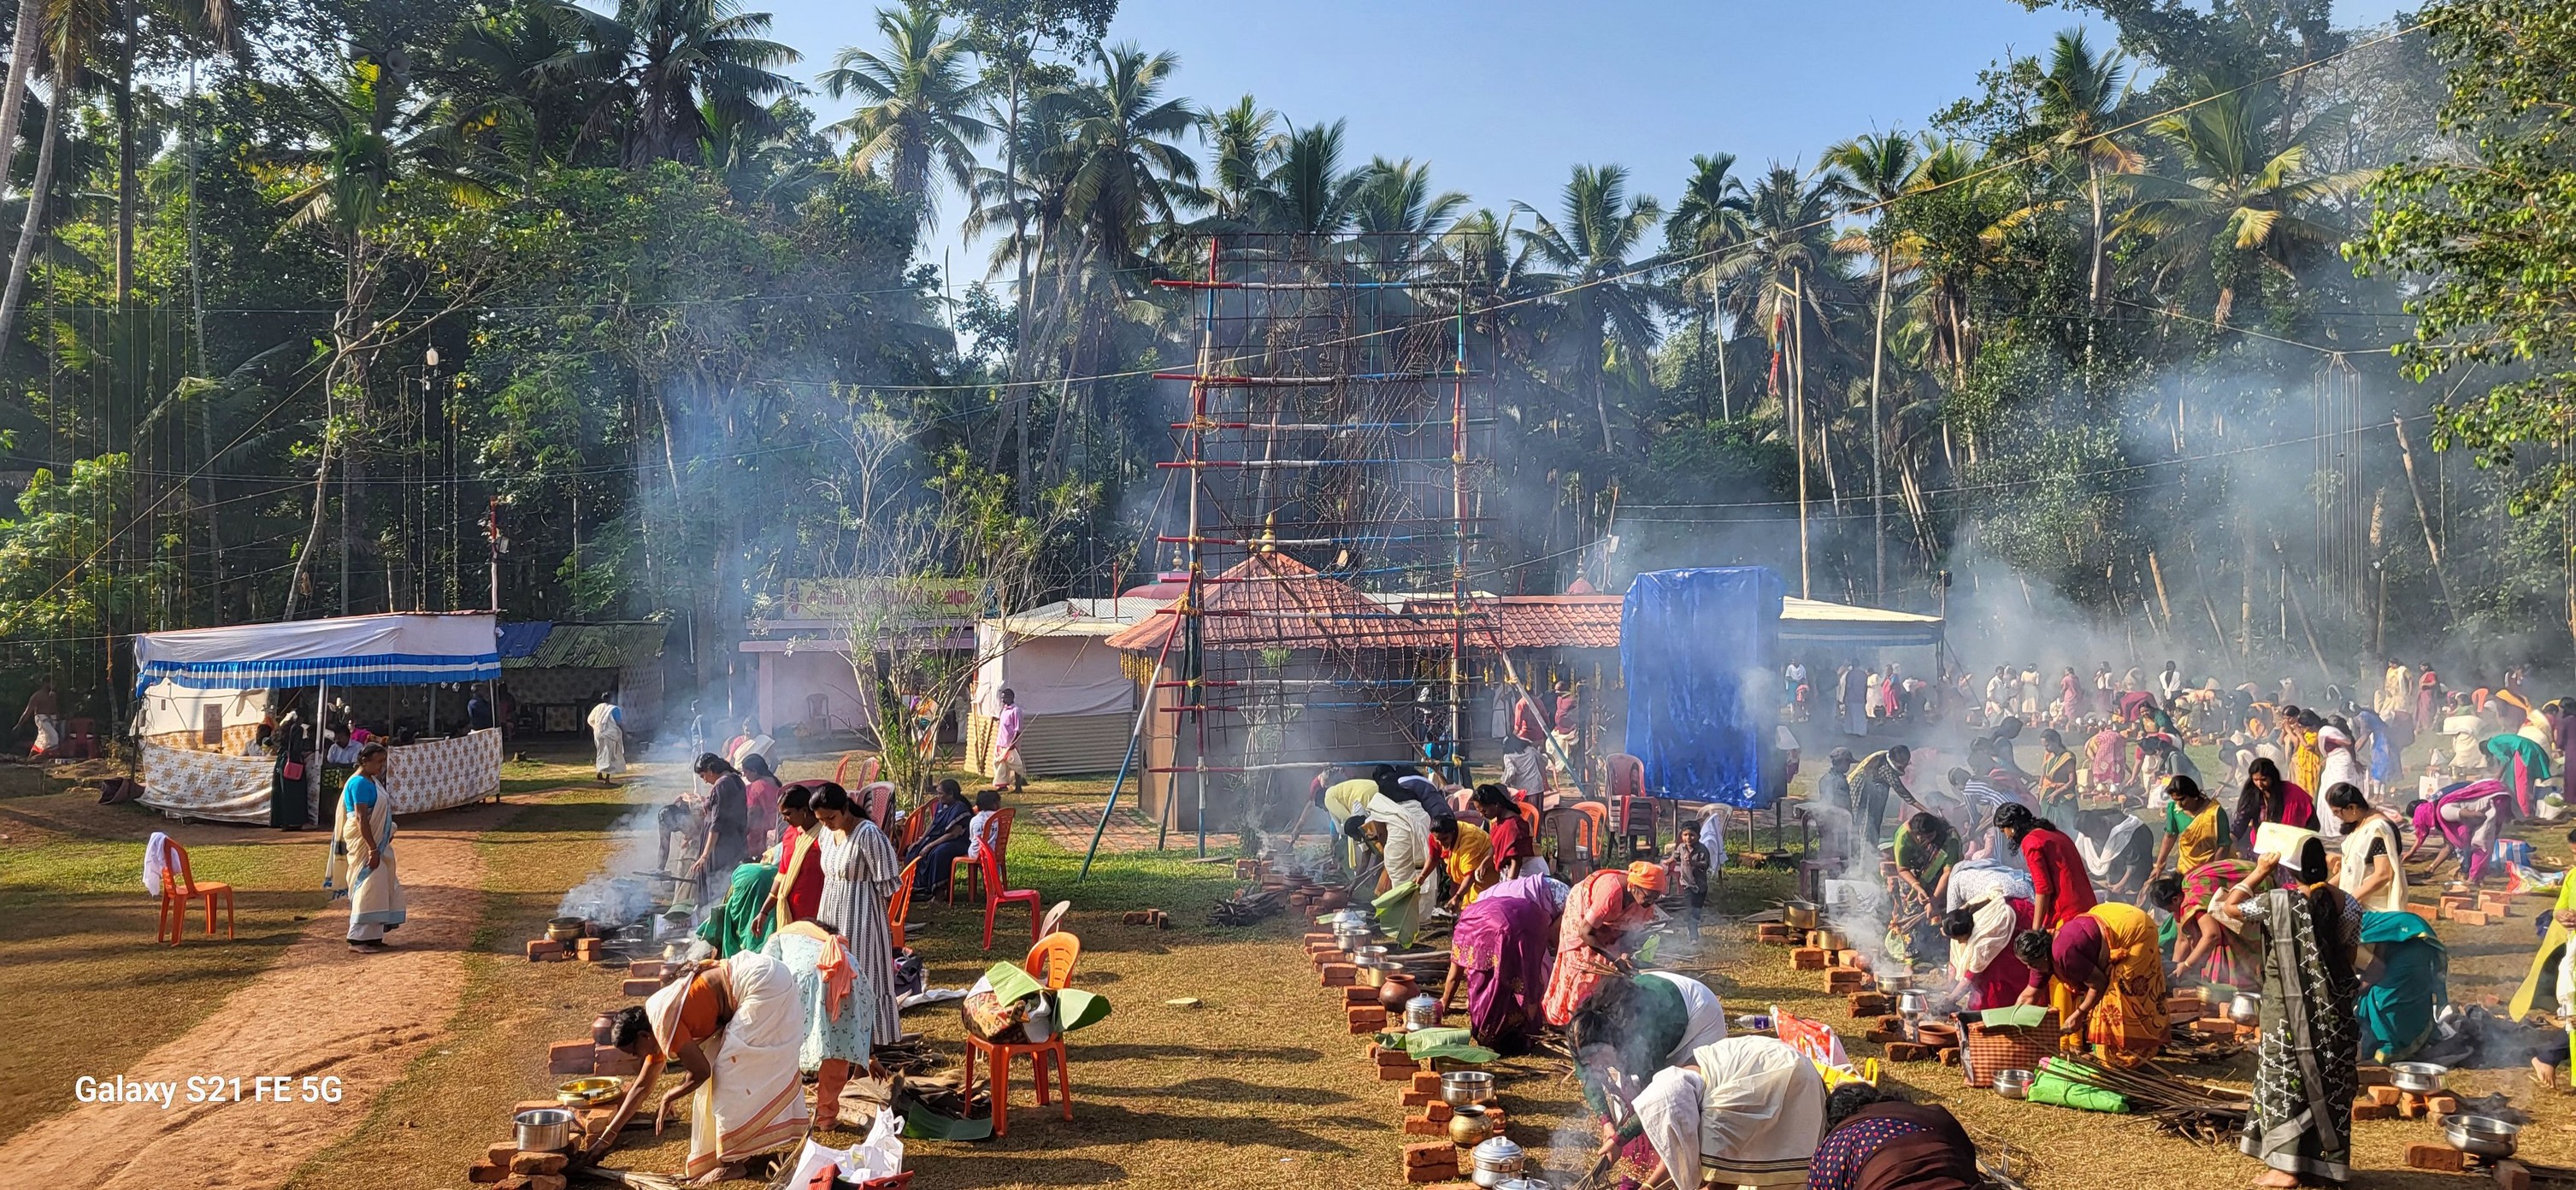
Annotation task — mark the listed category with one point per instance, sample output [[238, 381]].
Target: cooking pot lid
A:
[[1500, 1150]]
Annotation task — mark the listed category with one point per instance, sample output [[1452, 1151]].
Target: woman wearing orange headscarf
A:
[[1592, 935]]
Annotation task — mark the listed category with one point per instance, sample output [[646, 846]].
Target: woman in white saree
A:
[[361, 863], [735, 1027]]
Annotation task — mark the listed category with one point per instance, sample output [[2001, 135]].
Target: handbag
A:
[[1993, 1048], [292, 770]]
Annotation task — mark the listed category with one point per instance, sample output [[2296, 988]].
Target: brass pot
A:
[[1469, 1126]]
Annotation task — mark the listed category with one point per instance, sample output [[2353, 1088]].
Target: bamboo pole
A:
[[2432, 547]]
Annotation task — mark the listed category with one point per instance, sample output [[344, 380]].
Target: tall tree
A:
[[1607, 299], [2242, 199], [918, 95], [655, 62], [2079, 105], [1397, 211], [1880, 166], [1243, 144], [1707, 222]]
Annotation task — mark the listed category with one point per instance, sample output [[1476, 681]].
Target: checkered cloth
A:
[[431, 775]]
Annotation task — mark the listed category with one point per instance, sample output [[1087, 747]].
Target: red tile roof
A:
[[1535, 621], [1272, 600]]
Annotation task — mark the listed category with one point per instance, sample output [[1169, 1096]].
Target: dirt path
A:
[[321, 1011]]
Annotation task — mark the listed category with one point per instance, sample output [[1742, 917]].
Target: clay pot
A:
[[1332, 900], [1395, 991]]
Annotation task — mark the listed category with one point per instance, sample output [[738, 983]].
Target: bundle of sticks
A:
[[1247, 906], [2187, 1110]]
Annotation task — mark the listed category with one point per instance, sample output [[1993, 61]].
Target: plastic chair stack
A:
[[1051, 961]]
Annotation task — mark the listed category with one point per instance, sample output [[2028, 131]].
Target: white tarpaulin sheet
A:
[[1050, 675], [430, 775], [400, 649]]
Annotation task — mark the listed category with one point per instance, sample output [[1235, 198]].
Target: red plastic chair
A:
[[899, 905], [1001, 846], [878, 798], [996, 896], [1051, 960], [868, 774], [179, 887]]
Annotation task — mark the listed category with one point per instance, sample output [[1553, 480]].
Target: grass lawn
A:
[[88, 987]]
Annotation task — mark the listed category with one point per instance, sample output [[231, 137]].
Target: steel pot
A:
[[2422, 1078], [1914, 1000], [1372, 973], [1496, 1161], [2485, 1136], [544, 1130], [1458, 1088], [1423, 1012], [2013, 1084], [2246, 1008]]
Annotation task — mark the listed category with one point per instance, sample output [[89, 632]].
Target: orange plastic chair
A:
[[996, 896], [962, 866], [900, 904], [1052, 960], [179, 887], [841, 772]]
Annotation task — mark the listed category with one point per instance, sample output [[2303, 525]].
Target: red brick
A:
[[1949, 1055], [571, 1057], [513, 1182], [542, 949], [1437, 1110], [2364, 1109], [1807, 958], [533, 1164], [1429, 1154], [611, 1060], [548, 1181], [1340, 975], [529, 1105], [1426, 1080], [1906, 1051], [1393, 1074], [639, 987], [2512, 1175], [1884, 1036], [2438, 1158], [500, 1152], [1424, 1126], [644, 969], [1865, 1004], [2469, 917], [2372, 1076], [484, 1173], [2445, 1104], [1359, 995], [1417, 1175], [2385, 1096], [1418, 1098]]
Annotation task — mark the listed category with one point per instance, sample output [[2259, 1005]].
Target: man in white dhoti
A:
[[608, 739], [45, 710], [361, 865]]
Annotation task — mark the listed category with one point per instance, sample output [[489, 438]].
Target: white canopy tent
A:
[[1077, 705], [180, 674]]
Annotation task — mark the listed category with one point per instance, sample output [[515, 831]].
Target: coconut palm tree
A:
[[655, 61], [71, 35], [1792, 264], [2079, 100], [1397, 211], [1308, 194], [1706, 223], [1128, 175], [1607, 300], [1242, 148], [2242, 197], [1953, 241], [1879, 167], [918, 94]]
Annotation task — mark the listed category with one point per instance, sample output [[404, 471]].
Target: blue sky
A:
[[1503, 97]]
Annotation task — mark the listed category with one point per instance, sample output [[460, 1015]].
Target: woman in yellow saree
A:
[[2104, 975]]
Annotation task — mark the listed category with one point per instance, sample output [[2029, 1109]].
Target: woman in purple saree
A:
[[1504, 949]]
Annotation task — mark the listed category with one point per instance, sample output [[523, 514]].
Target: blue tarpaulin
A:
[[520, 638], [1696, 647]]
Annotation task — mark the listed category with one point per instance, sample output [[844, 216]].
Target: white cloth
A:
[[1975, 879], [1987, 940], [1408, 847], [49, 735], [760, 743], [755, 1102], [607, 740], [977, 829], [156, 858], [1712, 833], [1668, 1115], [376, 901], [1761, 1112], [2098, 857], [1707, 1021], [2356, 845]]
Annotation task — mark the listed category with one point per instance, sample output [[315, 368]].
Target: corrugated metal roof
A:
[[595, 646]]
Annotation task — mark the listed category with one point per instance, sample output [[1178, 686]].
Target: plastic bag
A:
[[879, 1156]]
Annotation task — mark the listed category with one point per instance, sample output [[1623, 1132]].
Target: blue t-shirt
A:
[[361, 790]]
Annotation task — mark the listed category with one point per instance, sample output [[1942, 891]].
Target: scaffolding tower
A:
[[1330, 452]]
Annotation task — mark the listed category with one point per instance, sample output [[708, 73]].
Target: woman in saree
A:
[[735, 1028], [1594, 935], [2304, 1078], [2195, 826], [2109, 764], [1981, 958], [1926, 851], [2268, 798], [2207, 947], [942, 841], [797, 892], [2520, 764], [1503, 948], [2307, 757], [2405, 981], [2367, 869], [742, 919], [859, 874], [361, 864], [2465, 821], [2056, 784], [838, 1025], [1466, 855], [2102, 973]]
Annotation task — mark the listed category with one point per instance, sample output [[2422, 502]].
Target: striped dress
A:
[[859, 873]]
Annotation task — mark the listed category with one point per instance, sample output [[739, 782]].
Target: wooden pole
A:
[[1798, 420], [2432, 547]]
